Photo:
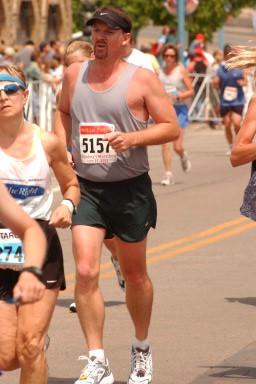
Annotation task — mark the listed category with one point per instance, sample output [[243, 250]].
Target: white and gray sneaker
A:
[[141, 366], [119, 275], [95, 372], [185, 162], [168, 179]]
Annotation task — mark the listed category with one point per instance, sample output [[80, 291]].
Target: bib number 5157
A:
[[95, 145]]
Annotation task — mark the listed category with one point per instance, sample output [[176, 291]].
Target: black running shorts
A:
[[53, 269], [124, 208], [238, 109]]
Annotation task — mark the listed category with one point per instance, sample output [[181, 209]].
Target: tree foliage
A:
[[77, 15], [81, 10], [139, 10], [209, 16]]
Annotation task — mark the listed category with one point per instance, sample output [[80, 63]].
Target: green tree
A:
[[77, 15], [81, 11], [209, 16], [139, 10]]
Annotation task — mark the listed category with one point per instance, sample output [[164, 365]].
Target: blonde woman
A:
[[244, 149], [27, 156]]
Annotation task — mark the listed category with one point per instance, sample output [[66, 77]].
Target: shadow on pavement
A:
[[229, 372], [67, 302], [242, 300], [54, 380], [113, 304]]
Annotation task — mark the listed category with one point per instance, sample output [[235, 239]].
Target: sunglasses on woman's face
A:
[[10, 89], [169, 55]]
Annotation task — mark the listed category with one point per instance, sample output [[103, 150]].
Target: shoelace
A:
[[90, 367], [139, 362]]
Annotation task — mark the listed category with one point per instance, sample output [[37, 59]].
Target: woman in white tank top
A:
[[178, 85], [26, 155]]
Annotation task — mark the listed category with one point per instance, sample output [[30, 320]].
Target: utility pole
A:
[[181, 28]]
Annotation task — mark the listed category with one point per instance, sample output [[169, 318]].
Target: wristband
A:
[[70, 205], [36, 271]]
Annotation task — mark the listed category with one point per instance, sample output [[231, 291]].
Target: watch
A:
[[36, 271], [70, 205]]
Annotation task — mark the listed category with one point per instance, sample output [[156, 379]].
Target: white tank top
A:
[[29, 180]]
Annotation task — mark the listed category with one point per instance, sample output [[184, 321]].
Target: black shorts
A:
[[232, 108], [124, 208], [53, 268]]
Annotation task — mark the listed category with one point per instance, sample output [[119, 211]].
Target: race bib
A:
[[93, 146], [11, 250], [170, 89], [230, 93]]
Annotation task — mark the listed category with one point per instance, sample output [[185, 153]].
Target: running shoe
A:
[[72, 307], [95, 372], [168, 179], [119, 275], [141, 366], [185, 163]]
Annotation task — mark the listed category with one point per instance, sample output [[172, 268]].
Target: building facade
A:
[[37, 20]]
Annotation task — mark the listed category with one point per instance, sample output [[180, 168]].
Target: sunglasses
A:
[[169, 55], [10, 89]]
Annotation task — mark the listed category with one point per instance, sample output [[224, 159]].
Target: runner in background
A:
[[232, 97], [135, 56], [178, 85]]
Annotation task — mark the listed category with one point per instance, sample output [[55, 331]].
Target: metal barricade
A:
[[41, 104], [205, 104]]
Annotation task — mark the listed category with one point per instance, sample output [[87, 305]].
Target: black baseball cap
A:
[[112, 19]]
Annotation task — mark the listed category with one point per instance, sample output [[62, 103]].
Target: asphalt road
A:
[[201, 259]]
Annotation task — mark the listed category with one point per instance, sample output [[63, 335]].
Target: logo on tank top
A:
[[22, 192]]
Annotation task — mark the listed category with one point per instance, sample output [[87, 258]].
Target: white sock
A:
[[98, 353], [141, 344]]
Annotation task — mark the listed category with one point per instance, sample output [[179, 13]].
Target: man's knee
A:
[[133, 278], [29, 349], [86, 275]]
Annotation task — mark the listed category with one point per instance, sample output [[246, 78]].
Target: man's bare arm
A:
[[159, 107]]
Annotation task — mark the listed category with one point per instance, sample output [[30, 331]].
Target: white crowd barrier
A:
[[41, 104], [204, 105]]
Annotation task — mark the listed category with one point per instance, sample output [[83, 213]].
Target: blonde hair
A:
[[241, 56], [14, 70], [78, 45]]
